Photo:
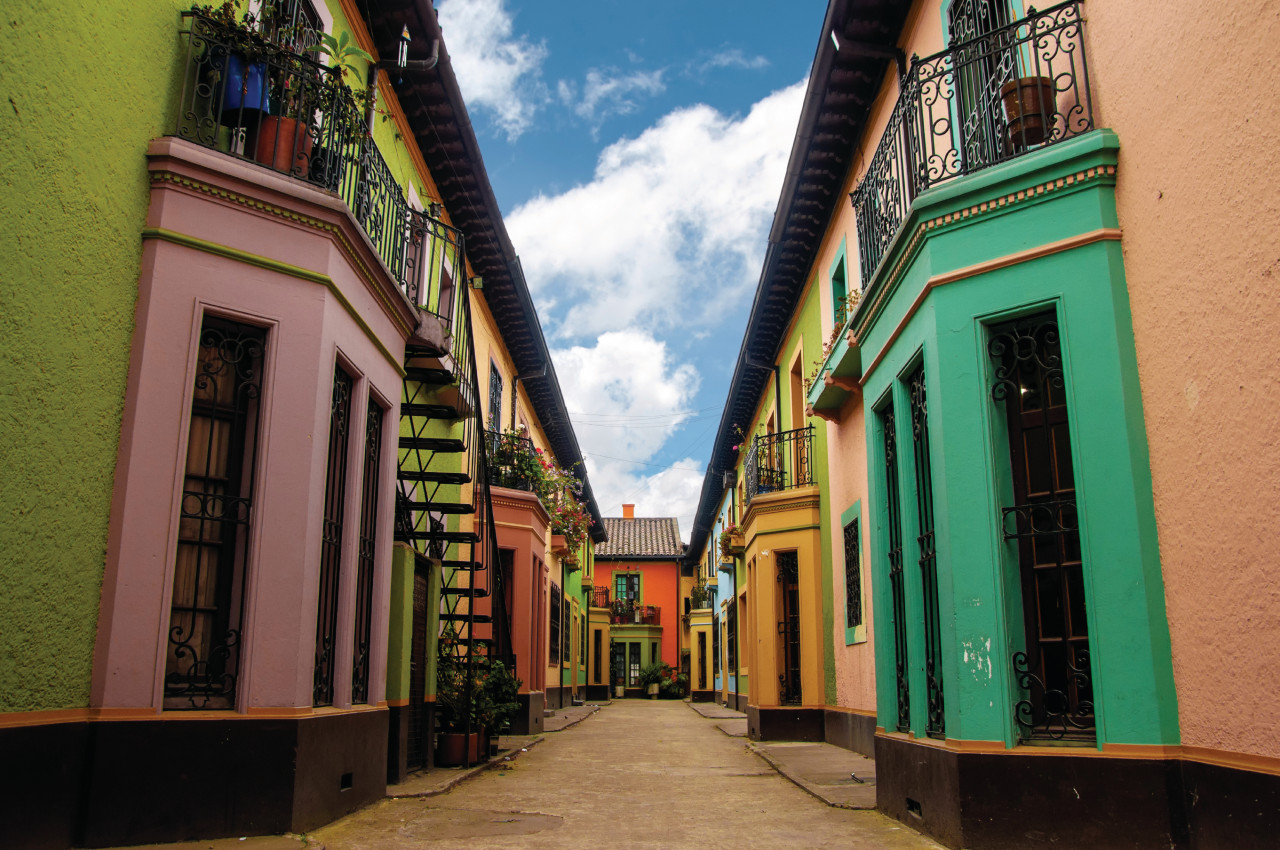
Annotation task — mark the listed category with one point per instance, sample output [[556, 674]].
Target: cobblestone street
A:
[[635, 774]]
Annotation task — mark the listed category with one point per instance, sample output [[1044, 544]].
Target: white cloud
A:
[[732, 58], [670, 229], [499, 74], [626, 397], [608, 92]]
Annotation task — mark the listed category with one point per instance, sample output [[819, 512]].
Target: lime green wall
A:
[[75, 134], [979, 608], [86, 86]]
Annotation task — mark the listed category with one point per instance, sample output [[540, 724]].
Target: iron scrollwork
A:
[[1053, 712]]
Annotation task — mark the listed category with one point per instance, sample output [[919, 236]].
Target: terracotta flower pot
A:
[[1030, 104], [453, 748], [559, 545], [284, 144]]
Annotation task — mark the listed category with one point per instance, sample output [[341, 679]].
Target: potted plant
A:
[[651, 677], [475, 696], [731, 542], [619, 689], [1030, 104]]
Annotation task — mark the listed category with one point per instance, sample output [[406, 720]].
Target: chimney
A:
[[628, 511]]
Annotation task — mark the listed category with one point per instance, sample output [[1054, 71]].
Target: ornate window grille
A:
[[789, 692], [369, 491], [715, 645], [553, 643], [852, 575], [331, 538], [1053, 671], [495, 398], [897, 579], [731, 636], [205, 626], [936, 721]]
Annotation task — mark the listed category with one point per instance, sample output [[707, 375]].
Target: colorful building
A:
[[271, 473], [636, 598], [1011, 433]]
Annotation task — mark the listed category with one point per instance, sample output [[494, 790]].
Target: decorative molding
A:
[[889, 281], [334, 231], [1105, 234], [269, 264]]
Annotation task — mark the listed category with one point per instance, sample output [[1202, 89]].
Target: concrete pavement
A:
[[638, 773]]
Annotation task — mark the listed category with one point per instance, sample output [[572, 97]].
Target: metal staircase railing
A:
[[444, 508]]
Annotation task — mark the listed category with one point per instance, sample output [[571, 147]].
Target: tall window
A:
[[935, 718], [331, 538], [852, 575], [626, 587], [893, 553], [597, 646], [205, 628], [715, 645], [369, 491], [839, 295], [553, 642], [1053, 671], [495, 397], [731, 637], [984, 66], [702, 661], [789, 627]]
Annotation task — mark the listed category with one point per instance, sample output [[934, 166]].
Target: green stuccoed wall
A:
[[84, 87]]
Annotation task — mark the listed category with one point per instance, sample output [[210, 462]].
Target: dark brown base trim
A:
[[851, 731], [784, 724], [598, 693], [397, 744], [174, 780], [1010, 801], [42, 784], [528, 718], [703, 696]]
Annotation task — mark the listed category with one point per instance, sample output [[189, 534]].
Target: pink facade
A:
[[229, 239]]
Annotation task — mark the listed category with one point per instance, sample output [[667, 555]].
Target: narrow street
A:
[[635, 774]]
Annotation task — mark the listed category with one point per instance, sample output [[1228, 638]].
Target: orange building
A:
[[636, 597]]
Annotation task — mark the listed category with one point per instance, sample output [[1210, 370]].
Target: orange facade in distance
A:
[[659, 587]]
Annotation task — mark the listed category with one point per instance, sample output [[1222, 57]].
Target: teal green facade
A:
[[1037, 233]]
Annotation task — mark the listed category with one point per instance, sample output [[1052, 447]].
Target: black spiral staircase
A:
[[443, 503]]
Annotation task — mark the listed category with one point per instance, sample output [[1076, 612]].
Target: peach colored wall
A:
[[1190, 87], [309, 331], [521, 524]]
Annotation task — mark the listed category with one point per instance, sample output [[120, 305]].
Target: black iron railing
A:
[[513, 460], [978, 103], [626, 612], [600, 597], [260, 95], [780, 462]]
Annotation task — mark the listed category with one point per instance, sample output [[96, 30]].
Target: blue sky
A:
[[637, 151]]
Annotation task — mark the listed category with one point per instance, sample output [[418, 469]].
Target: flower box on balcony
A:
[[559, 545], [737, 544]]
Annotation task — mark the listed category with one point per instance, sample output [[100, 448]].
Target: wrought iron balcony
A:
[[259, 95], [977, 104], [625, 612], [513, 461], [780, 462], [600, 597]]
